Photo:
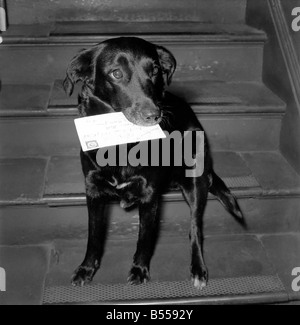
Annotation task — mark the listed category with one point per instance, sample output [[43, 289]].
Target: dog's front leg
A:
[[148, 230], [96, 239]]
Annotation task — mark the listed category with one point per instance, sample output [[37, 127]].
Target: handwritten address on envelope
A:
[[111, 129]]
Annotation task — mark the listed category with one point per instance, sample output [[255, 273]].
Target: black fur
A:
[[129, 75]]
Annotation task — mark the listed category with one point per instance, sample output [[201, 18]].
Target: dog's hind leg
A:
[[95, 247], [148, 231], [195, 191]]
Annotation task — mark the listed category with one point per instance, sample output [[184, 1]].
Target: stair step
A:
[[40, 54], [95, 32], [247, 276], [26, 268], [205, 96], [43, 199], [57, 136], [41, 11], [259, 271], [236, 116], [59, 181], [32, 224], [24, 100], [250, 290]]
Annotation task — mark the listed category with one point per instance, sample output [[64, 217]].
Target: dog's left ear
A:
[[81, 68], [167, 62]]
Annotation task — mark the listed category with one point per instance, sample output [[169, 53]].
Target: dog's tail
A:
[[223, 194]]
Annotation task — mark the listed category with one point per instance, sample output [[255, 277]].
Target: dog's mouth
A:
[[138, 116], [143, 119]]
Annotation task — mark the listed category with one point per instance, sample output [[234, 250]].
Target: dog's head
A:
[[125, 74]]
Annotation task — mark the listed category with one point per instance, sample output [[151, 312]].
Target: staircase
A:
[[43, 216]]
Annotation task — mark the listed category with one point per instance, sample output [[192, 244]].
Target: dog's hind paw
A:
[[82, 276], [138, 275]]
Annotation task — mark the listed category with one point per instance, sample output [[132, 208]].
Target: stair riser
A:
[[50, 137], [34, 224], [41, 11], [43, 64]]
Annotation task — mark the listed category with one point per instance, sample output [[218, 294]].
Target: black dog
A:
[[130, 75]]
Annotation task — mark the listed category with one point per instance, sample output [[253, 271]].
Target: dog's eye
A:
[[155, 71], [117, 74]]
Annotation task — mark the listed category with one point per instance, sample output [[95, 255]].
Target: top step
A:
[[36, 54], [45, 11], [92, 32]]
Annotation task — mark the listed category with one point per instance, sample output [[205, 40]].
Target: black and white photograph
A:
[[149, 155]]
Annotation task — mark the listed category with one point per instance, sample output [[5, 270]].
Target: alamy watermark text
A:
[[175, 150], [2, 279], [296, 20]]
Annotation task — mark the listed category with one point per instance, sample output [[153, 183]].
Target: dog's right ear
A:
[[81, 68]]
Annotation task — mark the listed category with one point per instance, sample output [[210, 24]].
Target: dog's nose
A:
[[151, 115]]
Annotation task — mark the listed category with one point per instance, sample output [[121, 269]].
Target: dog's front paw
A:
[[200, 278], [138, 275], [83, 275]]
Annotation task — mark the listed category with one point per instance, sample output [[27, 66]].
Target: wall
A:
[[276, 75]]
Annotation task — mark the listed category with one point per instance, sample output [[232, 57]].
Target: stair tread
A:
[[96, 31], [59, 180], [22, 180], [65, 176], [273, 172], [245, 173], [26, 268], [206, 97], [249, 262], [258, 271], [243, 290], [111, 28], [236, 97], [20, 99]]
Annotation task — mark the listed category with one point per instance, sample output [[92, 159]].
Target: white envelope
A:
[[111, 129]]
